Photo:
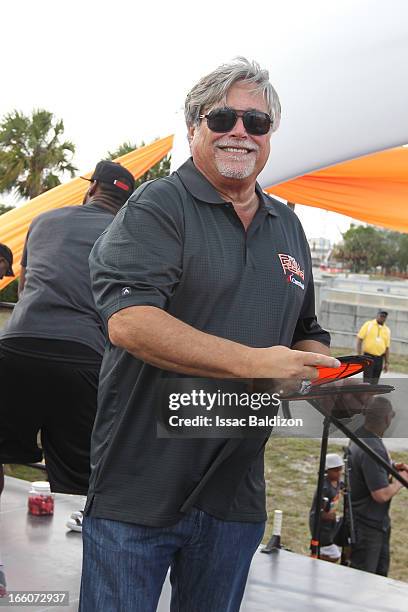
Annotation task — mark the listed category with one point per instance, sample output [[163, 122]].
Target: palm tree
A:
[[162, 168], [32, 155]]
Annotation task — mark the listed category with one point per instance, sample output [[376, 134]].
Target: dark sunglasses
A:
[[255, 122]]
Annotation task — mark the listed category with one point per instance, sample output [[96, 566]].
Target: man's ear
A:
[[92, 189], [90, 192]]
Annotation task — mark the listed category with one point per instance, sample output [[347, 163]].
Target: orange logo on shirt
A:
[[289, 264]]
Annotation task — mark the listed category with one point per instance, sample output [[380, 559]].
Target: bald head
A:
[[379, 413]]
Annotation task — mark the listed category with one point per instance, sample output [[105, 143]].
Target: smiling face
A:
[[234, 155]]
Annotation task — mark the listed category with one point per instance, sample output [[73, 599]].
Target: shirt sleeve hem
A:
[[108, 311]]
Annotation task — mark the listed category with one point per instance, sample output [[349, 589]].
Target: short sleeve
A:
[[363, 331], [374, 475], [138, 259], [388, 342], [307, 327]]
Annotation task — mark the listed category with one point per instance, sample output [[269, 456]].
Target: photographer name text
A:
[[251, 420]]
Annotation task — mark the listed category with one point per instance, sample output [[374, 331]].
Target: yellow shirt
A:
[[376, 338]]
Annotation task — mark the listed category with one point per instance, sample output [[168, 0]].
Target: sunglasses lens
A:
[[256, 123], [221, 119]]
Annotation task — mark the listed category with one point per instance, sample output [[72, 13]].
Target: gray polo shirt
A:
[[178, 246], [57, 301], [367, 476]]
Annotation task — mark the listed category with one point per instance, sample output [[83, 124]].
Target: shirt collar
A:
[[377, 323], [201, 189]]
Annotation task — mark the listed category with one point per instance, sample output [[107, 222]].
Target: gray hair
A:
[[212, 89]]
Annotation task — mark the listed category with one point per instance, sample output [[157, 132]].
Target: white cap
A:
[[333, 461]]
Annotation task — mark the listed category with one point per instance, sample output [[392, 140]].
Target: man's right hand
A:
[[156, 337], [404, 474], [282, 362]]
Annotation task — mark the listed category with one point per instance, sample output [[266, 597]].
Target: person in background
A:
[[6, 261], [372, 490], [52, 345], [373, 340], [6, 269], [332, 486]]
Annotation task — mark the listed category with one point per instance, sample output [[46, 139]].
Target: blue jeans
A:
[[125, 565]]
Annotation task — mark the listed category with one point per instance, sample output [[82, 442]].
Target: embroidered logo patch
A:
[[292, 269]]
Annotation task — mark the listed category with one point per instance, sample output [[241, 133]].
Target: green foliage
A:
[[365, 248], [403, 252], [162, 168], [4, 208], [33, 156]]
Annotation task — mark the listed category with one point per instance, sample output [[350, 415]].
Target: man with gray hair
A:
[[204, 275]]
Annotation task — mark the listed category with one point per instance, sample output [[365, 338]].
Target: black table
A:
[[40, 554]]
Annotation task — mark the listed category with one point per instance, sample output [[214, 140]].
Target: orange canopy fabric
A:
[[373, 189], [15, 223]]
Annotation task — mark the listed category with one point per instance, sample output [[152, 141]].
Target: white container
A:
[[40, 499]]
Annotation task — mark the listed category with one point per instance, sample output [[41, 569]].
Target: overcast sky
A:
[[116, 71]]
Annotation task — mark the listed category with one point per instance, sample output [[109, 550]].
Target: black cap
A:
[[8, 256], [111, 173], [383, 312]]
